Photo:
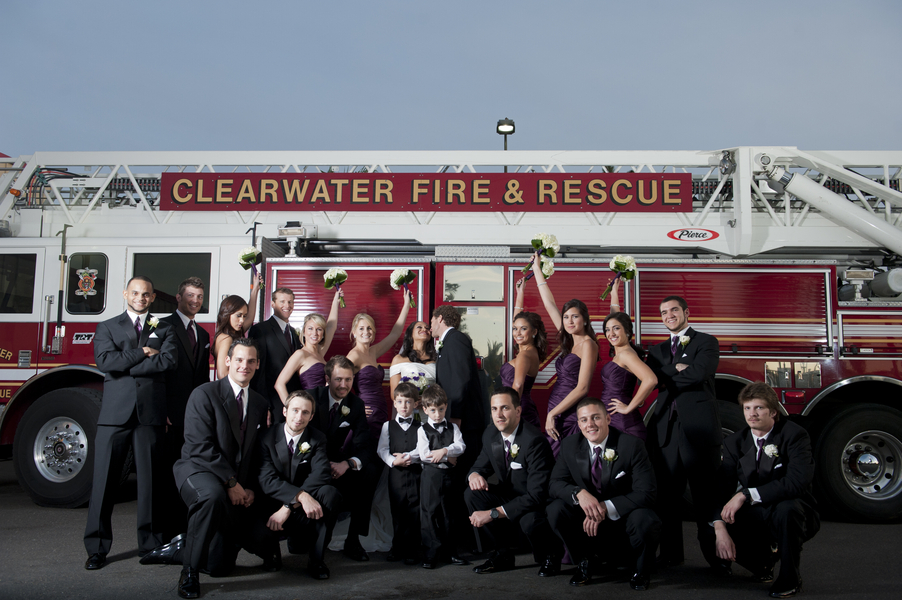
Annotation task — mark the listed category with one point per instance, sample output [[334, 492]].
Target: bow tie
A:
[[440, 424], [408, 420]]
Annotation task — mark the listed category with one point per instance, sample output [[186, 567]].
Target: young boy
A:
[[439, 443], [398, 449]]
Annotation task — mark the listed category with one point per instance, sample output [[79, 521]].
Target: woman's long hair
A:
[[230, 305], [541, 338], [410, 352], [627, 323], [567, 339]]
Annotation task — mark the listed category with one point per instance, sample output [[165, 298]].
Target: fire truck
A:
[[790, 258]]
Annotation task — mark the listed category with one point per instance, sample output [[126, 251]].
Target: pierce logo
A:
[[693, 234]]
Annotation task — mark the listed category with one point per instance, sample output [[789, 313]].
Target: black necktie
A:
[[192, 335], [507, 453], [240, 400], [332, 412], [760, 442]]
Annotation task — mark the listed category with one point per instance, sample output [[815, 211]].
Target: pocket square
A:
[[153, 336], [778, 466], [258, 425], [207, 346], [620, 474], [344, 424], [515, 466]]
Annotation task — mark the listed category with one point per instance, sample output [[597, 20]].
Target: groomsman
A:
[[771, 464], [684, 434], [277, 341], [192, 370], [133, 350], [603, 486], [354, 464], [520, 456]]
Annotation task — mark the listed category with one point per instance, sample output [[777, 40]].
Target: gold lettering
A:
[[571, 192], [418, 189], [547, 188], [200, 193], [5, 354], [7, 393], [480, 192], [437, 192], [176, 191], [223, 190], [671, 191], [294, 190], [596, 186], [384, 188], [456, 189], [359, 189], [339, 184], [654, 192], [269, 188], [320, 192], [247, 192], [615, 192]]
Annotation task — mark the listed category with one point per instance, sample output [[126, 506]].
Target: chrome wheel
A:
[[870, 464], [60, 449]]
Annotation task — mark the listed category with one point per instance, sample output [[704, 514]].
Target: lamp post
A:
[[505, 127]]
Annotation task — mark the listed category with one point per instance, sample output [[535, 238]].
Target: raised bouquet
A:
[[402, 278], [249, 258], [547, 246], [334, 278], [623, 266]]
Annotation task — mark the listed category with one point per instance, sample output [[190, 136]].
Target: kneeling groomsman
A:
[[295, 473], [770, 463], [603, 487], [520, 456]]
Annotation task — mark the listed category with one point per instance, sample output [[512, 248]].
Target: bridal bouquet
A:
[[249, 258], [418, 379], [547, 246], [547, 268], [334, 278], [401, 278], [623, 266]]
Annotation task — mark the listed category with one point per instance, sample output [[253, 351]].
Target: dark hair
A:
[[678, 299], [191, 282], [591, 401], [433, 395], [508, 391], [408, 351], [761, 391], [541, 339], [567, 339], [281, 290], [301, 394], [627, 323], [449, 315], [229, 306], [246, 342], [338, 362], [139, 278], [407, 390]]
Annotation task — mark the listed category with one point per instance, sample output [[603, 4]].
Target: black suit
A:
[[356, 487], [522, 490], [628, 482], [684, 436], [283, 477], [273, 351], [213, 453], [133, 414], [787, 512], [193, 369]]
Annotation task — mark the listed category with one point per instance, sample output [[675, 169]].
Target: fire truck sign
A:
[[488, 192]]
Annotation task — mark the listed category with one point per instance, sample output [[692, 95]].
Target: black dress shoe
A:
[[583, 574], [494, 565], [356, 552], [764, 575], [189, 583], [95, 561], [318, 570], [550, 568], [456, 560], [167, 554], [428, 563], [639, 582], [785, 591], [273, 562]]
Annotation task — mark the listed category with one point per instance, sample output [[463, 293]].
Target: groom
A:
[[684, 434]]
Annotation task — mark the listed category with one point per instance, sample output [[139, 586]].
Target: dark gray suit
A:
[[273, 351]]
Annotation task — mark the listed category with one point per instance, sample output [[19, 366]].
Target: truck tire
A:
[[859, 463], [731, 419], [53, 449]]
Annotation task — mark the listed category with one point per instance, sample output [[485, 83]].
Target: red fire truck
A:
[[797, 296]]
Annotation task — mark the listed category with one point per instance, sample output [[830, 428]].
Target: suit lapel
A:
[[129, 328], [231, 406], [607, 467], [252, 422], [146, 331], [747, 460], [498, 457], [767, 462], [182, 334], [277, 331], [305, 437], [282, 451], [583, 465]]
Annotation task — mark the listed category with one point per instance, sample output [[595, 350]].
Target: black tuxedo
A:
[[273, 351], [352, 440], [193, 369], [404, 489], [787, 513], [133, 414], [628, 482], [283, 477], [213, 453], [684, 436], [457, 374], [521, 491]]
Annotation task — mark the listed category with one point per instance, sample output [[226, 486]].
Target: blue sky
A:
[[404, 75]]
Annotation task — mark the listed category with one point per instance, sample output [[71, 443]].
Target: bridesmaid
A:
[[310, 360], [417, 355], [620, 374], [575, 365], [532, 348], [370, 375], [235, 317]]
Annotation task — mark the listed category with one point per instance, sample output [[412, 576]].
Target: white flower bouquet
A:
[[334, 278], [419, 380], [402, 278], [624, 267], [547, 246], [249, 258]]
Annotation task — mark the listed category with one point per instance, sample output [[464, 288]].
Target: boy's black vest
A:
[[403, 441], [437, 440]]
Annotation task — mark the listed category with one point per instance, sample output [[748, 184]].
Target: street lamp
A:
[[505, 127]]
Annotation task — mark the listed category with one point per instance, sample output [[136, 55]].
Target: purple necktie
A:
[[192, 335], [596, 469], [290, 447], [240, 400], [760, 442], [288, 339], [332, 412], [138, 326], [507, 453], [674, 344]]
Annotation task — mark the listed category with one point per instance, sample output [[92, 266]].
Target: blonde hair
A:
[[361, 317], [319, 320]]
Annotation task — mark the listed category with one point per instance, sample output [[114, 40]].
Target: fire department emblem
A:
[[86, 279]]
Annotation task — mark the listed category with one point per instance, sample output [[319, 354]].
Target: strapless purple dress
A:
[[368, 382], [529, 411], [620, 383], [567, 368], [313, 377]]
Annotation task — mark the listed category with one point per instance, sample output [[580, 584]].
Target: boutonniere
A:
[[438, 345], [610, 455], [771, 451], [303, 448], [684, 340], [345, 410], [297, 330], [153, 322], [515, 450]]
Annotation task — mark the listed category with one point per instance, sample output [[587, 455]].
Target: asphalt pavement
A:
[[42, 556]]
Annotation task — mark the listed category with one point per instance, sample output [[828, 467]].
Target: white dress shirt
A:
[[456, 448]]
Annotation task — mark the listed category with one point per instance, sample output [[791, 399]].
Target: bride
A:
[[416, 357]]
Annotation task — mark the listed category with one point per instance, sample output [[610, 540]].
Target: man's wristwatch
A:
[[747, 494], [574, 497], [494, 513], [232, 482], [288, 506]]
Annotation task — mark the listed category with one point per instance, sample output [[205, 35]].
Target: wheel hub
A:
[[60, 449], [869, 464]]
